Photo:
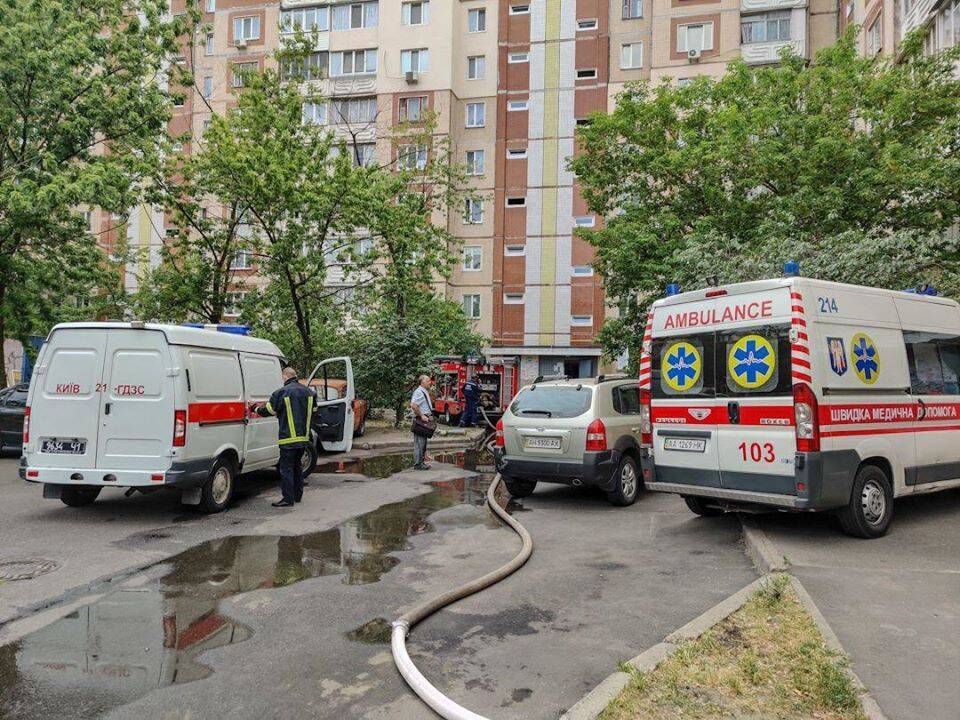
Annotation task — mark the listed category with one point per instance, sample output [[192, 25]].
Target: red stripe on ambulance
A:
[[215, 411], [750, 415]]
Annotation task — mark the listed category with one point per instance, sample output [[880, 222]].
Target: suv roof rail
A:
[[608, 378], [547, 378]]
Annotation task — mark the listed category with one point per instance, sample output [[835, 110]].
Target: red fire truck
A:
[[498, 380]]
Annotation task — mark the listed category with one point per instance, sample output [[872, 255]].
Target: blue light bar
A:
[[673, 289], [791, 268]]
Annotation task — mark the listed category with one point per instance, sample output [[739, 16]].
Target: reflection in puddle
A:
[[151, 634], [386, 465]]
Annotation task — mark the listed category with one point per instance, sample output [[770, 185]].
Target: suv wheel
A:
[[519, 488], [871, 504], [626, 483], [78, 496], [698, 506]]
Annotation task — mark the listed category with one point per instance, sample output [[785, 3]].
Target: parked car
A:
[[13, 407], [573, 432]]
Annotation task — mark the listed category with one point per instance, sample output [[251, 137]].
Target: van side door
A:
[[334, 413], [261, 376]]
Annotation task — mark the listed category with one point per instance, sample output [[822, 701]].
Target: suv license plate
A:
[[685, 444], [63, 446], [546, 443]]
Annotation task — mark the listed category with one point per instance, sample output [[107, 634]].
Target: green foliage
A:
[[849, 165]]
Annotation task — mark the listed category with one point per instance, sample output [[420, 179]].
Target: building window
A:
[[208, 44], [415, 13], [416, 61], [516, 153], [233, 303], [207, 86], [766, 27], [632, 9], [471, 306], [353, 62], [314, 113], [631, 56], [240, 71], [472, 258], [581, 320], [945, 30], [476, 114], [477, 20], [363, 156], [875, 38], [517, 201], [473, 211], [684, 82], [246, 28], [514, 250], [586, 74], [242, 260], [696, 36], [476, 67], [355, 111], [412, 157], [582, 270], [315, 66], [412, 108], [516, 106], [351, 16], [211, 5], [475, 160], [518, 57], [584, 221], [583, 25], [88, 220], [305, 20], [513, 298], [520, 9]]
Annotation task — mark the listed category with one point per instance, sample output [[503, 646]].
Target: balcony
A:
[[917, 13], [769, 52], [758, 5]]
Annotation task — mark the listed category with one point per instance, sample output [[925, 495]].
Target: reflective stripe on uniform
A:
[[292, 426], [270, 408]]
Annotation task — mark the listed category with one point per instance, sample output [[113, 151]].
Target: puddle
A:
[[374, 632], [384, 466], [150, 632]]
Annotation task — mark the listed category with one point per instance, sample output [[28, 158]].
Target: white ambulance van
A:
[[146, 406], [801, 394]]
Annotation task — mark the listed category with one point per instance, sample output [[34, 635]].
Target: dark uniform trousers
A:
[[291, 476]]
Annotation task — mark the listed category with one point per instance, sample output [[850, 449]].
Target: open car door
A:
[[333, 418]]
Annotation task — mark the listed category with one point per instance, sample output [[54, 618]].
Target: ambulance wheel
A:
[[519, 488], [78, 496], [626, 483], [699, 507], [218, 490], [871, 504], [308, 460]]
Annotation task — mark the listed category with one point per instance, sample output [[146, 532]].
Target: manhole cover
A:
[[25, 569]]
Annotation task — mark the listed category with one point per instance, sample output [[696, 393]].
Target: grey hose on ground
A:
[[443, 705]]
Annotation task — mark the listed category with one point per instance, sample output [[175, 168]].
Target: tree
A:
[[850, 165], [81, 111]]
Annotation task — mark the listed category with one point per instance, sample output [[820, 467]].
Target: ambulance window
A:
[[934, 362], [755, 361], [684, 366]]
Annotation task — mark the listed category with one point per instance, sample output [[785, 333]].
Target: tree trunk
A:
[[303, 324]]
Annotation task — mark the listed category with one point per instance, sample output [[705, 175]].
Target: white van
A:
[[802, 395], [146, 406]]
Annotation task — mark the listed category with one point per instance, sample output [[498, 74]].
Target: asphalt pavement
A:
[[894, 602]]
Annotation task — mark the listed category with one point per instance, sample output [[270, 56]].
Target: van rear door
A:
[[136, 414], [333, 417], [65, 399]]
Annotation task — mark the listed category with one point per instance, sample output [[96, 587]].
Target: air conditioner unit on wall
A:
[[693, 55], [412, 77]]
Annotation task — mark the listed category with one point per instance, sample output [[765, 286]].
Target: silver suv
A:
[[574, 432]]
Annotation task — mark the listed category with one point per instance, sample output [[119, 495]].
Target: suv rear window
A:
[[552, 401]]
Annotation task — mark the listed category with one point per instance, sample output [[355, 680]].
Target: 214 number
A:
[[756, 452], [827, 305]]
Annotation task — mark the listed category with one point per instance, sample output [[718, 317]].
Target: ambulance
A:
[[145, 406], [799, 394]]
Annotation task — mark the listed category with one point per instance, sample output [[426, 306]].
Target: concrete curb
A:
[[760, 550], [594, 702]]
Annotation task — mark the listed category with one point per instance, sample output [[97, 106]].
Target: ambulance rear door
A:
[[333, 415]]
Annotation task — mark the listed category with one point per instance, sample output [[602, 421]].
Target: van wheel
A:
[[626, 483], [308, 460], [519, 488], [218, 490], [698, 506], [79, 496], [871, 504]]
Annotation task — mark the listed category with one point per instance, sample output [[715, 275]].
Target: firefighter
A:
[[293, 406], [471, 396]]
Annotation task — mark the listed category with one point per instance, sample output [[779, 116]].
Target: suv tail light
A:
[[646, 421], [26, 426], [498, 438], [805, 411], [596, 436], [179, 428]]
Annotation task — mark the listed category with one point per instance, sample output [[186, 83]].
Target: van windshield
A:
[[552, 401], [732, 363]]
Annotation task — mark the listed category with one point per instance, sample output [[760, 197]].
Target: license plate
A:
[[543, 443], [685, 444], [63, 446]]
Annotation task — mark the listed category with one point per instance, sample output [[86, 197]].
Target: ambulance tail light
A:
[[26, 426], [498, 438], [179, 428], [596, 436], [646, 421], [805, 411]]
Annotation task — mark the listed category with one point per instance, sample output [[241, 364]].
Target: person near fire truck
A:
[[471, 397]]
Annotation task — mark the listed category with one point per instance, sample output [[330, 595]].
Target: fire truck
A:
[[498, 380]]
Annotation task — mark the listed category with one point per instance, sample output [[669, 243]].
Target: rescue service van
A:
[[146, 406], [801, 394]]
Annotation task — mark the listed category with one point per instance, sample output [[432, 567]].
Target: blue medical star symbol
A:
[[865, 358], [751, 360], [681, 367]]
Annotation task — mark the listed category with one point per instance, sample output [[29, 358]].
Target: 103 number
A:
[[756, 452]]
